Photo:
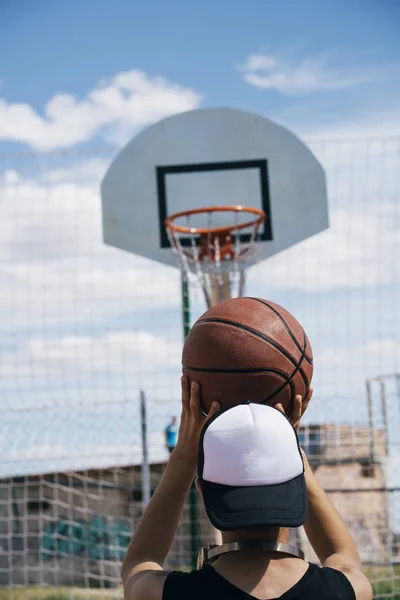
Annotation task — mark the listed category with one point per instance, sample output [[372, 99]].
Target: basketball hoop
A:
[[216, 253]]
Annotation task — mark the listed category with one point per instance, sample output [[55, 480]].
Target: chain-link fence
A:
[[85, 327]]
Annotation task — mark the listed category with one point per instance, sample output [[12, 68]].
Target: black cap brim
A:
[[281, 505]]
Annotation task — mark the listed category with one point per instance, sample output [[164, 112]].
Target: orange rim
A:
[[258, 218]]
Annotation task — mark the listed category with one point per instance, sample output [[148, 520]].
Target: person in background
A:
[[171, 435], [256, 483]]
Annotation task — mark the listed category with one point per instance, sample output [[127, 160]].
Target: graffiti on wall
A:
[[97, 539]]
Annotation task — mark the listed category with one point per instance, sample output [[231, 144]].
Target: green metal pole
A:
[[195, 539], [185, 306]]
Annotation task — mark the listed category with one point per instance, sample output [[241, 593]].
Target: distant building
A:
[[347, 461], [70, 528], [73, 528]]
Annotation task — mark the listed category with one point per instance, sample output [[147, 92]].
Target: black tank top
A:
[[206, 584]]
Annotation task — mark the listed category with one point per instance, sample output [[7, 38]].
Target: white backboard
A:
[[209, 157]]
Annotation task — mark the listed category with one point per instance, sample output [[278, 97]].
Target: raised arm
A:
[[328, 535], [142, 570]]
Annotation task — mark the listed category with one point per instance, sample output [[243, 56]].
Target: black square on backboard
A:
[[262, 167]]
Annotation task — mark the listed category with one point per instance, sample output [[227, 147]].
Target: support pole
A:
[[195, 539], [371, 423], [146, 484], [384, 465]]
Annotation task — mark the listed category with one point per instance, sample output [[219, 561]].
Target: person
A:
[[171, 434], [255, 482]]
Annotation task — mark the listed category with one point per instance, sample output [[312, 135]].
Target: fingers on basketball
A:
[[296, 412], [195, 406], [185, 391], [215, 407]]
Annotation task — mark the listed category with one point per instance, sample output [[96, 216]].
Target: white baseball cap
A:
[[251, 469]]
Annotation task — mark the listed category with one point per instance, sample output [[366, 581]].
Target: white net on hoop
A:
[[218, 259]]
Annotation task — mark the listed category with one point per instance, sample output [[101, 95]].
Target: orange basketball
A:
[[248, 349]]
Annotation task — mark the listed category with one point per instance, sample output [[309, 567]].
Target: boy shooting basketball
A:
[[256, 483]]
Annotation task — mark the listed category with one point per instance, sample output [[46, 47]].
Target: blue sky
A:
[[49, 48], [83, 321]]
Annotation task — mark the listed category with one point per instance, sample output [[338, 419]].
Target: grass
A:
[[383, 583], [59, 594], [381, 578]]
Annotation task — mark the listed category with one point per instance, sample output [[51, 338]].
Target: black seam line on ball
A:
[[254, 332], [265, 339], [230, 371], [292, 396], [309, 360], [289, 379]]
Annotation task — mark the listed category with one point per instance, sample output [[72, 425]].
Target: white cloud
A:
[[383, 353], [74, 314], [345, 367], [53, 258], [85, 172], [51, 441], [115, 109], [258, 62], [381, 128], [311, 74], [361, 246], [358, 250], [128, 352]]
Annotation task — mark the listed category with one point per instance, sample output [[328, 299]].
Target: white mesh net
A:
[[218, 257]]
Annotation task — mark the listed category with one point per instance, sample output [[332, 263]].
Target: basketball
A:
[[248, 349]]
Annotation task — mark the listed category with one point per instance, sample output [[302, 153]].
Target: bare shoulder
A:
[[359, 581], [351, 568], [149, 586]]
